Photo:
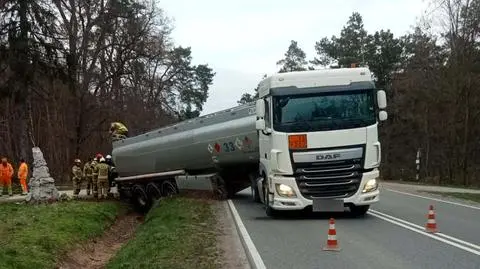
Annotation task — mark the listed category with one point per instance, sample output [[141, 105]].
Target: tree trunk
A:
[[465, 134], [427, 142]]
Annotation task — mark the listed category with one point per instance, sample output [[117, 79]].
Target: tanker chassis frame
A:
[[144, 190]]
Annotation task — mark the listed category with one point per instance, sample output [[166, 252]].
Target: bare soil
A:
[[95, 253]]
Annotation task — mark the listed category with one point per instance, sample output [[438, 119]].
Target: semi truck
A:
[[310, 141]]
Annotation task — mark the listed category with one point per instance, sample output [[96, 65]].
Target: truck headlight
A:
[[370, 186], [285, 190]]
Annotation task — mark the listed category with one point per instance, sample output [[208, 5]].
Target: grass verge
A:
[[34, 236], [475, 197], [179, 233]]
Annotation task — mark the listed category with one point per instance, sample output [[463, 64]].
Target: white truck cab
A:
[[318, 140]]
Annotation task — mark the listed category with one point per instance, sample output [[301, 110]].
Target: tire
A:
[[122, 193], [359, 211], [168, 189], [154, 192], [269, 211], [140, 199]]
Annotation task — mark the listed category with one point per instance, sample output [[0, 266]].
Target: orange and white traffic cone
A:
[[431, 226], [332, 244]]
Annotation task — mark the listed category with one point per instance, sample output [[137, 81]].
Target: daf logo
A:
[[327, 156]]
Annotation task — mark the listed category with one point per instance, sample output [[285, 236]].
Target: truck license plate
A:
[[328, 205]]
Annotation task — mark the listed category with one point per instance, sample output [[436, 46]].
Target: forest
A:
[[68, 68], [432, 79]]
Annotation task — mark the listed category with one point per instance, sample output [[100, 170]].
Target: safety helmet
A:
[[108, 157], [99, 155], [77, 161], [102, 160]]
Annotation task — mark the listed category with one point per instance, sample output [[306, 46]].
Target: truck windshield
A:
[[324, 111]]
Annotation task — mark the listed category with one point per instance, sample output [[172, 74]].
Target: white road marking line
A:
[[433, 236], [255, 260], [434, 199], [460, 241]]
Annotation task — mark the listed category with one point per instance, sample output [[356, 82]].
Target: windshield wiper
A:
[[359, 121], [306, 123], [299, 124]]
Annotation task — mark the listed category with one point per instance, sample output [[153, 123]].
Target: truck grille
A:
[[339, 179]]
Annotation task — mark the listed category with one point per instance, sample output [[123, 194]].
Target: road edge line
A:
[[253, 256], [458, 240], [434, 199], [473, 251]]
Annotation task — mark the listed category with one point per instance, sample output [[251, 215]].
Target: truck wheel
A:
[[255, 192], [140, 199], [154, 193], [359, 211], [168, 189], [269, 211], [122, 193]]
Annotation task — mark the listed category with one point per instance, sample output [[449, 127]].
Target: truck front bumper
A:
[[299, 202]]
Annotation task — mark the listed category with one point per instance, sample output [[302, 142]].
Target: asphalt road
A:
[[391, 235]]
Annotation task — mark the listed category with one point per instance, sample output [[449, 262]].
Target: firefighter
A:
[[111, 171], [94, 177], [108, 160], [102, 170], [77, 177], [118, 131], [88, 173], [6, 173], [22, 175]]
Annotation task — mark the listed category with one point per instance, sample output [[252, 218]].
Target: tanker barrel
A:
[[213, 143]]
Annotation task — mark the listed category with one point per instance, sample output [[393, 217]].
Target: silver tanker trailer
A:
[[222, 146]]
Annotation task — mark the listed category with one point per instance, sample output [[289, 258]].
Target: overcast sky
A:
[[242, 40]]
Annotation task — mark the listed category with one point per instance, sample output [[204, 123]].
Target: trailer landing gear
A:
[[254, 189]]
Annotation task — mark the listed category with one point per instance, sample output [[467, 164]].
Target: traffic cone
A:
[[332, 244], [431, 226]]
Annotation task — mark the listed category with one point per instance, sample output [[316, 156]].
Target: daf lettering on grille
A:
[[322, 157]]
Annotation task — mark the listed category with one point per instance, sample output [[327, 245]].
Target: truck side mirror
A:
[[381, 99], [260, 108], [382, 115], [260, 124]]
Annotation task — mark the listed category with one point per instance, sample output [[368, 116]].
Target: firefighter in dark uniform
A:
[[111, 171]]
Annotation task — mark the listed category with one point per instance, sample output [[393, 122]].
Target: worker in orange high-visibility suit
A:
[[6, 173], [22, 175]]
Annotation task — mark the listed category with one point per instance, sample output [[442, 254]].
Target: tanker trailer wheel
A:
[[140, 199], [154, 193], [168, 189]]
